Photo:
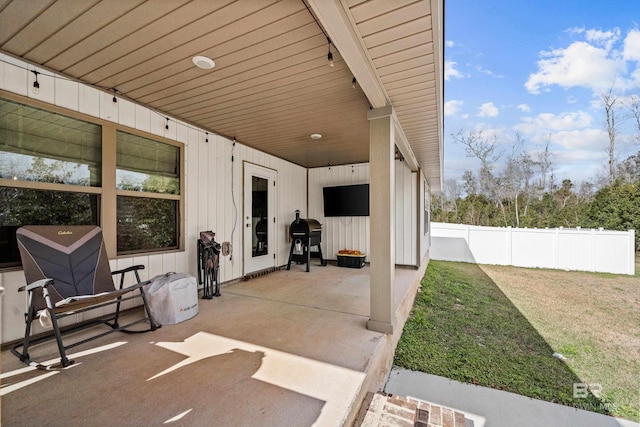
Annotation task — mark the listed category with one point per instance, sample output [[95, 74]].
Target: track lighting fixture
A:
[[354, 83], [36, 85], [330, 55], [206, 137], [115, 100], [166, 126]]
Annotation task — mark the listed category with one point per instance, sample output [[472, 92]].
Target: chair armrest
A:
[[42, 283], [122, 272], [128, 269]]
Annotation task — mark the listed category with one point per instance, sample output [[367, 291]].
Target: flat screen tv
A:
[[346, 200]]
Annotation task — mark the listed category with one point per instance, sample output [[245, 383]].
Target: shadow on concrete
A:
[[219, 388]]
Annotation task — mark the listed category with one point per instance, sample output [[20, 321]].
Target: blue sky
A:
[[539, 68]]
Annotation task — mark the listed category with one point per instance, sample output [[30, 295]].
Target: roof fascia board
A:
[[403, 145], [437, 24], [342, 31]]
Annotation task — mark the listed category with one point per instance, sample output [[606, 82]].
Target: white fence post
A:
[[631, 250], [509, 246]]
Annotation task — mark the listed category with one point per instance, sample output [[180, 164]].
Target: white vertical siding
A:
[[353, 232], [406, 215], [338, 232], [209, 191], [424, 197]]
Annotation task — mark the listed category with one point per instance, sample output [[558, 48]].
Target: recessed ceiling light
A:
[[316, 136], [203, 62]]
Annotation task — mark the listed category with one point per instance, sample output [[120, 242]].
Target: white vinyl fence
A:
[[560, 248]]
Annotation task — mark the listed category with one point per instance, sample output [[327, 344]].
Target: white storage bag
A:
[[172, 297]]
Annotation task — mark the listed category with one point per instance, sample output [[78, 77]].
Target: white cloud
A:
[[524, 108], [450, 70], [483, 70], [580, 64], [575, 30], [589, 143], [500, 133], [449, 43], [596, 104], [631, 46], [635, 77], [577, 165], [451, 108], [488, 110], [603, 38], [546, 122]]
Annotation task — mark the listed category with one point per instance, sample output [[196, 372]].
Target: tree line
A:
[[524, 193]]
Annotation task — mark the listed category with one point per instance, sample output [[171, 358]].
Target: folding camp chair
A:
[[209, 264], [67, 272]]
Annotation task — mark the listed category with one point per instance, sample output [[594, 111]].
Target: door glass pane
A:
[[259, 204]]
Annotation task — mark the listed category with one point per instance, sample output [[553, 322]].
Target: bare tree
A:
[[544, 163], [635, 113], [516, 180], [452, 193], [485, 150], [609, 103]]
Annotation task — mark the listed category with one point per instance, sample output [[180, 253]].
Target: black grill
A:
[[305, 234], [261, 235]]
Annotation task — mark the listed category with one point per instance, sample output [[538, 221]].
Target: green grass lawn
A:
[[465, 328]]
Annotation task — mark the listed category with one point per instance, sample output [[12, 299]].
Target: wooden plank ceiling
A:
[[271, 87]]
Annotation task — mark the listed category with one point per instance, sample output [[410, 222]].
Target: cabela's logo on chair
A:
[[62, 233]]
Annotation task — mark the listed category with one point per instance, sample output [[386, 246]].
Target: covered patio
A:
[[300, 94], [287, 348]]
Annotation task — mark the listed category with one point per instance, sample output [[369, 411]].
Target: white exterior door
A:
[[259, 217]]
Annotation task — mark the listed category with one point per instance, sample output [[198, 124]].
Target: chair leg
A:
[[64, 361], [147, 310], [216, 275], [24, 355], [116, 317], [209, 276], [200, 262]]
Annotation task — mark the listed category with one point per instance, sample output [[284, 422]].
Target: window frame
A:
[[107, 192]]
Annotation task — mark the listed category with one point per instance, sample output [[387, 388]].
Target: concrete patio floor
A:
[[286, 348]]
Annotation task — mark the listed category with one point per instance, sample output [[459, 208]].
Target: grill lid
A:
[[304, 226]]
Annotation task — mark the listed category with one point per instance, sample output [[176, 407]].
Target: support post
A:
[[382, 219]]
